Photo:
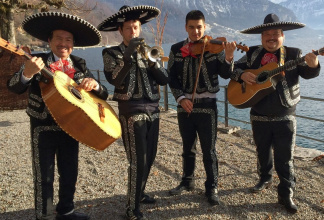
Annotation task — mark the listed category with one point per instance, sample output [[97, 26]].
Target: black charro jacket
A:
[[133, 80], [284, 99], [36, 107], [183, 71]]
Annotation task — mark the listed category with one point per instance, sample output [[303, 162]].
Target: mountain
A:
[[223, 17], [309, 12]]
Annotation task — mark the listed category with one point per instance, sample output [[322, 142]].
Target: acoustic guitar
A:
[[242, 95], [85, 117]]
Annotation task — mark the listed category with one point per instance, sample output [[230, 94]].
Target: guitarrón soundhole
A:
[[262, 77], [76, 93]]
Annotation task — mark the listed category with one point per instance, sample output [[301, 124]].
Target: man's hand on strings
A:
[[248, 78], [88, 84]]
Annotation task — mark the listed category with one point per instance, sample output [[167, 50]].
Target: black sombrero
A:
[[271, 21], [143, 13], [41, 25]]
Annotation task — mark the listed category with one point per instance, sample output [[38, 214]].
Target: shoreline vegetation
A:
[[102, 181]]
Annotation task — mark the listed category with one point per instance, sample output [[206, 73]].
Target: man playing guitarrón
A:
[[48, 140], [273, 117]]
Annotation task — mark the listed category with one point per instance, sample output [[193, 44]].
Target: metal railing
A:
[[167, 105]]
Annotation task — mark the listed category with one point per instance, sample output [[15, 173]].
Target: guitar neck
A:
[[17, 50], [45, 70], [290, 64]]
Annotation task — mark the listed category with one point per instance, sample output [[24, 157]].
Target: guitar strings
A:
[[65, 85]]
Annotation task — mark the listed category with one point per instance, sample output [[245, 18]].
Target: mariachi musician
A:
[[196, 97], [273, 117], [136, 80], [62, 31]]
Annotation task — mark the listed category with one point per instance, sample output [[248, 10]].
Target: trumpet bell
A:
[[155, 53]]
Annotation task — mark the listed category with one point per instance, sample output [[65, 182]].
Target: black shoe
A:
[[178, 190], [288, 203], [261, 186], [146, 199], [212, 197], [73, 216], [134, 215]]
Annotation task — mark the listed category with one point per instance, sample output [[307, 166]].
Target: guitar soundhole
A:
[[76, 93], [262, 77]]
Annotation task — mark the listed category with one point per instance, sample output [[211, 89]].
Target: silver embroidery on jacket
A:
[[16, 78], [287, 100]]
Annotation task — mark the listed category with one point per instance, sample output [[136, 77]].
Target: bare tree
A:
[[158, 35], [8, 8]]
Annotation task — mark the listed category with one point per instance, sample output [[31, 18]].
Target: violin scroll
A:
[[241, 47]]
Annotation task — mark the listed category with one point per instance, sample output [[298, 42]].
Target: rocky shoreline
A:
[[102, 181]]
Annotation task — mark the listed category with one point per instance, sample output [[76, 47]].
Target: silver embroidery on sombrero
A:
[[146, 14], [275, 24], [40, 25], [60, 14]]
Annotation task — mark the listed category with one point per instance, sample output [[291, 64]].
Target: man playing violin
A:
[[273, 117], [136, 81], [48, 140], [197, 108]]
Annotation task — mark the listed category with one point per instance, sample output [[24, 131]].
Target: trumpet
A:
[[153, 54]]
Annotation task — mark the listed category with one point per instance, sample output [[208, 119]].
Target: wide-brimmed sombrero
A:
[[143, 13], [271, 21], [41, 25]]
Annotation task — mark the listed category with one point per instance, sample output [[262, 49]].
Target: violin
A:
[[214, 46]]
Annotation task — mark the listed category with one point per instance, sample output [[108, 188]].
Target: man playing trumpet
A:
[[136, 81]]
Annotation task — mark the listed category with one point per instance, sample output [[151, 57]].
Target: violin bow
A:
[[198, 72]]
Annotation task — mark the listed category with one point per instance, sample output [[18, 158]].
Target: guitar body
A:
[[246, 97], [77, 112]]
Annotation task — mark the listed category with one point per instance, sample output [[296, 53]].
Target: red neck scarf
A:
[[186, 50], [269, 58], [63, 66]]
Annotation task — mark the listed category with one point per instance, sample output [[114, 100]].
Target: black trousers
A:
[[140, 137], [48, 141], [279, 134], [202, 121]]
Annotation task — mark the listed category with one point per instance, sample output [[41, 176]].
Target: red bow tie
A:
[[186, 50], [63, 66]]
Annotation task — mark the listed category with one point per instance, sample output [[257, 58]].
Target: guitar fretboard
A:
[[290, 64]]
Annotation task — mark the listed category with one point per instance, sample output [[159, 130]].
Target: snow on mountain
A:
[[310, 12]]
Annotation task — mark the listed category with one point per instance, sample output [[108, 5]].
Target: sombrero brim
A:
[[143, 13], [41, 25], [284, 25]]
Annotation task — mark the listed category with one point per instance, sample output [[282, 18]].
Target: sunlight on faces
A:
[[195, 29], [129, 30], [61, 43], [272, 40]]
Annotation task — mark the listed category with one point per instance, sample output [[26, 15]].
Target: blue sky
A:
[[277, 1]]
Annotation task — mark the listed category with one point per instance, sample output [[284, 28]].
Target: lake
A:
[[311, 88]]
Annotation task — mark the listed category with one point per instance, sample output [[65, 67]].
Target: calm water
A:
[[311, 88]]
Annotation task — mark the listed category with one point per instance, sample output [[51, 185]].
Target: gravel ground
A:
[[102, 182]]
